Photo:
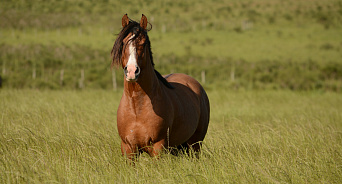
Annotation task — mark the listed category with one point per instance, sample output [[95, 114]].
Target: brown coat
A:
[[155, 113]]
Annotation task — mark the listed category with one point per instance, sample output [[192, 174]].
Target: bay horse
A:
[[155, 113]]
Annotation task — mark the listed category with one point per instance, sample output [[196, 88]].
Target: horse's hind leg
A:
[[180, 149], [195, 142]]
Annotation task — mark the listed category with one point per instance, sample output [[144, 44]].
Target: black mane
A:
[[118, 44], [118, 47]]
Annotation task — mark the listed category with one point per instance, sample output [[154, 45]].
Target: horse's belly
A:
[[182, 131], [186, 100]]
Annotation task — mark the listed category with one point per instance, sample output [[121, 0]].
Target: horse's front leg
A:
[[129, 151], [156, 149]]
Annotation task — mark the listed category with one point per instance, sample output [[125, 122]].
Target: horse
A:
[[155, 112]]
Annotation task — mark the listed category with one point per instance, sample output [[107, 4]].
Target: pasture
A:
[[273, 76], [254, 137], [48, 44]]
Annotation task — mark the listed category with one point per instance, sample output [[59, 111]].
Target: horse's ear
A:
[[125, 20], [143, 21]]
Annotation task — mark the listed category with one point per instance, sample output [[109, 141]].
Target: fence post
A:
[[114, 80], [163, 28], [42, 71], [232, 73], [81, 81], [4, 68], [79, 32], [61, 77], [203, 76], [34, 73]]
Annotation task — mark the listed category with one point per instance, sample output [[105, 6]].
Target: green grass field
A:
[[274, 43], [273, 74], [254, 137], [273, 39]]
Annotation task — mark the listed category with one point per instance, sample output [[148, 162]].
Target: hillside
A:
[[247, 44]]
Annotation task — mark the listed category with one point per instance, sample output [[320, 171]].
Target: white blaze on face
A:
[[132, 61]]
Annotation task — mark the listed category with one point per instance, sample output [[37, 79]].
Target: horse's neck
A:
[[146, 86]]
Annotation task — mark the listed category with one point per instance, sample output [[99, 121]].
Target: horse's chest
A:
[[141, 125], [141, 133], [135, 137]]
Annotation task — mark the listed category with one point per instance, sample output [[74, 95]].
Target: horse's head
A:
[[132, 47]]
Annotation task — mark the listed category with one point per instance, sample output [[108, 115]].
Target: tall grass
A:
[[254, 136]]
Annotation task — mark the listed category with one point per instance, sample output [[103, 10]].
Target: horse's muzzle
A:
[[131, 72]]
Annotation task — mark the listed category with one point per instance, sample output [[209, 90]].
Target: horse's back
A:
[[190, 92], [183, 79], [179, 79]]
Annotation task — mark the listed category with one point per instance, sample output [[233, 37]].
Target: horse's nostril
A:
[[137, 71], [125, 71]]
